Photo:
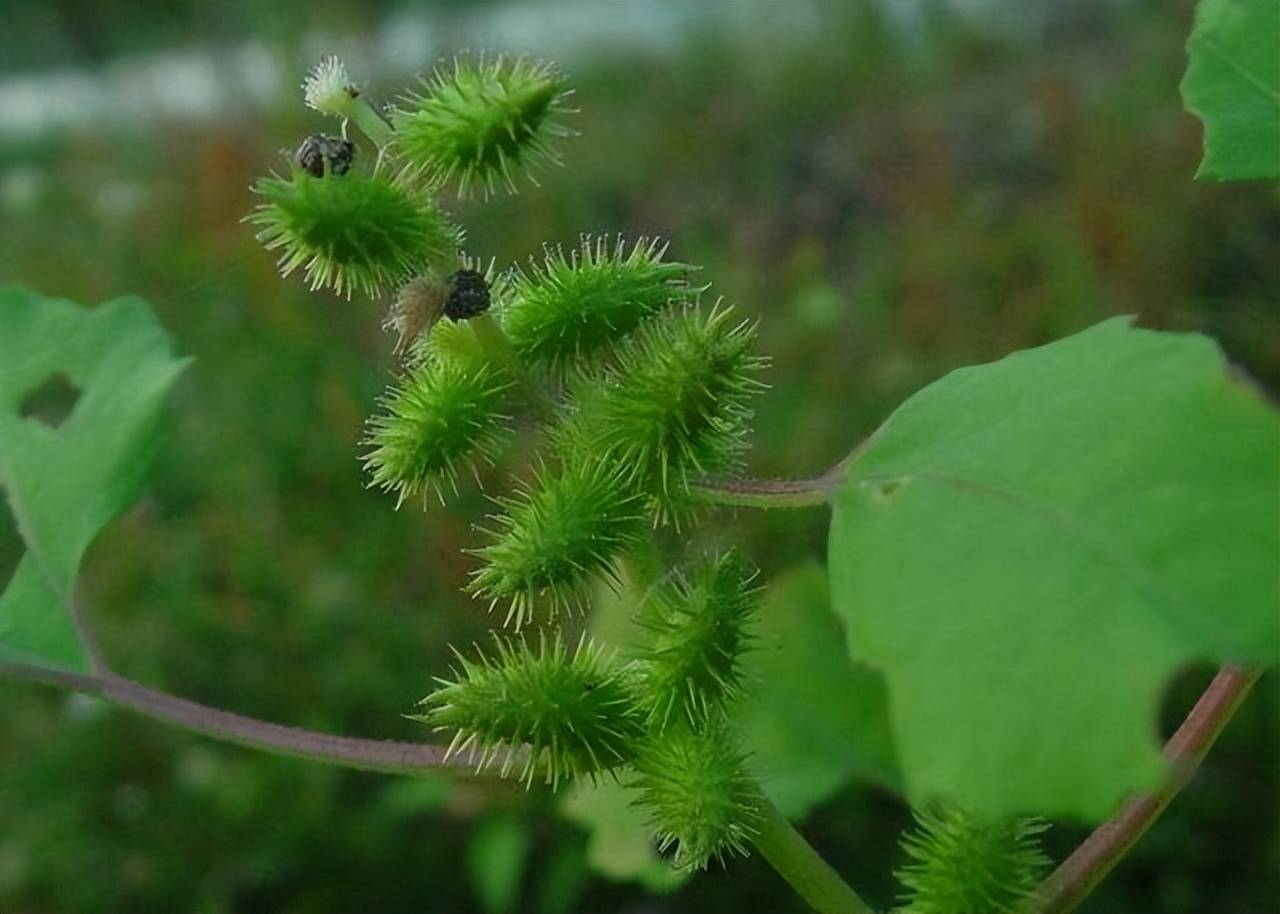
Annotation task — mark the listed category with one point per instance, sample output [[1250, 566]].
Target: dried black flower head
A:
[[319, 153], [468, 295]]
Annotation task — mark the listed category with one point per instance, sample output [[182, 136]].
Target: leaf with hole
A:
[[1233, 85], [1030, 549], [64, 483]]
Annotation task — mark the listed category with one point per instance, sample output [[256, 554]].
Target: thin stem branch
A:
[[797, 862], [371, 121], [1090, 863], [497, 345], [386, 756], [502, 352], [772, 493]]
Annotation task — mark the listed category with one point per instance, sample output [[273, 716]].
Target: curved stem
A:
[[772, 493], [797, 862], [386, 756], [1090, 863]]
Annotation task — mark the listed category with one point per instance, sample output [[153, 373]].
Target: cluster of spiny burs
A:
[[633, 385], [635, 388]]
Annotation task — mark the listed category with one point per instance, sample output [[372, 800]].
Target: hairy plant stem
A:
[[385, 756], [772, 493], [1068, 885], [797, 862]]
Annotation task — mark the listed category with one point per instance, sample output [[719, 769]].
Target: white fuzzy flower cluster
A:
[[328, 88]]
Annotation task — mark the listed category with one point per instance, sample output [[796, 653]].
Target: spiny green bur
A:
[[478, 122], [675, 406], [352, 232], [562, 529], [698, 795], [548, 712], [571, 309], [441, 414], [963, 862], [696, 629]]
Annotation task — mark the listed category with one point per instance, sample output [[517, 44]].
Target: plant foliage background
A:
[[893, 194]]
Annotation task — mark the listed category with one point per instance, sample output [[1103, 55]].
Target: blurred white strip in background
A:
[[198, 83]]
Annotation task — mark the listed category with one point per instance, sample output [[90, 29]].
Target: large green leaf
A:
[[1233, 84], [64, 484], [813, 720], [1029, 549]]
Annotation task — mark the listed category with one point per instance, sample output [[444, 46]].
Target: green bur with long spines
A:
[[352, 232], [441, 415], [674, 406], [553, 712], [658, 390], [964, 862], [696, 628], [562, 530], [478, 122], [699, 797], [573, 309]]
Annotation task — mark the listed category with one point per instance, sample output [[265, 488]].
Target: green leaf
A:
[[1233, 85], [65, 484], [1030, 549], [496, 860], [619, 845], [812, 720]]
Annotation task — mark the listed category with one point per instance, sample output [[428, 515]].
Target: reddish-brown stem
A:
[[387, 756], [1090, 863], [772, 493]]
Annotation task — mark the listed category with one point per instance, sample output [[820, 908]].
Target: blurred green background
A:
[[894, 189]]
